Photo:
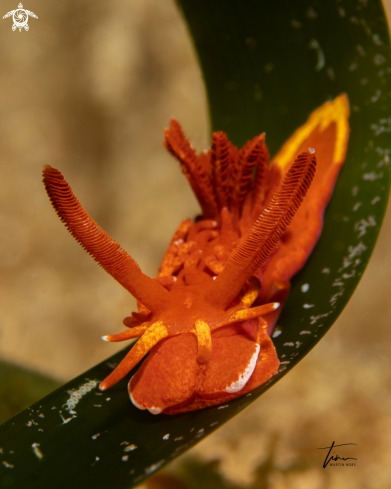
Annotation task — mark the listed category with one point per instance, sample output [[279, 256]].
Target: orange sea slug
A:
[[205, 320]]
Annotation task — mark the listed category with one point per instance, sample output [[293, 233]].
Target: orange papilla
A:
[[257, 245], [129, 334], [220, 162], [241, 175], [150, 338], [246, 314], [107, 252], [178, 145], [204, 341], [260, 186]]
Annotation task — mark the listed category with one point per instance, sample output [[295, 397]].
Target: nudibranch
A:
[[204, 323]]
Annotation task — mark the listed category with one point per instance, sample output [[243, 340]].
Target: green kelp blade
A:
[[267, 66]]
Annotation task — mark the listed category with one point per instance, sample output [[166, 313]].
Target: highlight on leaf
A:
[[224, 278]]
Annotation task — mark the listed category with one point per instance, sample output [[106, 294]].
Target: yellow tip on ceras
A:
[[336, 112]]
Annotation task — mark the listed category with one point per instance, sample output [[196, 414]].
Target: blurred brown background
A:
[[89, 90]]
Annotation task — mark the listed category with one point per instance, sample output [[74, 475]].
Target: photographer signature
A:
[[330, 458]]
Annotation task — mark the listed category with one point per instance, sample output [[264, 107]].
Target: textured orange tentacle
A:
[[256, 247], [246, 314], [178, 145], [107, 252], [204, 341], [129, 334], [149, 339]]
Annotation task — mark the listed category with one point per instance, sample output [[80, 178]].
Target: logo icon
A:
[[20, 17]]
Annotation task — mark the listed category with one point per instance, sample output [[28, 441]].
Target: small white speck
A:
[[308, 306], [124, 443], [200, 431], [360, 50], [355, 191], [94, 437], [37, 451], [298, 344], [98, 405], [277, 331], [326, 270], [179, 438], [375, 200], [223, 407], [40, 429], [305, 332], [108, 398], [341, 12], [376, 96], [65, 421], [125, 458], [295, 24], [379, 59], [130, 448], [357, 206], [152, 468], [7, 465], [166, 437], [284, 363], [371, 177], [289, 343], [305, 287], [41, 415], [320, 55], [96, 459], [54, 407], [311, 150], [216, 422]]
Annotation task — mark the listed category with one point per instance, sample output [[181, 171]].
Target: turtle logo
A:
[[20, 17]]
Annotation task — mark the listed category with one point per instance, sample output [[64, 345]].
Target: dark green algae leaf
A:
[[267, 65]]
